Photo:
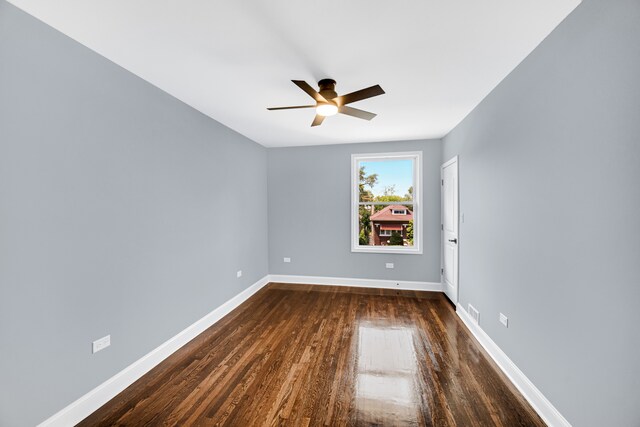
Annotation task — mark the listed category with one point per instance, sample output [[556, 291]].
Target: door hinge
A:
[[442, 227], [442, 182], [442, 271]]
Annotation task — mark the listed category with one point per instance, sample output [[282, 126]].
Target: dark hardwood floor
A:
[[304, 355]]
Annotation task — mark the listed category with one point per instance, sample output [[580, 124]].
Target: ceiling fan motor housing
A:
[[327, 89]]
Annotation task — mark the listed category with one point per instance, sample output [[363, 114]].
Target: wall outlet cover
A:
[[504, 320], [389, 265], [287, 259], [101, 344], [239, 273]]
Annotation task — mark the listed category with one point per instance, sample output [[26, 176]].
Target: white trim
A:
[[403, 202], [549, 414], [90, 402], [399, 250], [449, 162], [357, 283], [416, 156]]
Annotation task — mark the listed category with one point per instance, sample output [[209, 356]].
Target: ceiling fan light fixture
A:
[[326, 109], [328, 103]]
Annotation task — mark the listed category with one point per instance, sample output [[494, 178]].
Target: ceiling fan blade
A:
[[317, 121], [309, 90], [291, 108], [354, 112], [359, 95]]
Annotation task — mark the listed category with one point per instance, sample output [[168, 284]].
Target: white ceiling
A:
[[436, 59]]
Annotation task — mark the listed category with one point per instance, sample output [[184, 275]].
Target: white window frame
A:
[[416, 156], [398, 212], [389, 234]]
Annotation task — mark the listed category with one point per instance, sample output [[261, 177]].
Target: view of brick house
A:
[[385, 222]]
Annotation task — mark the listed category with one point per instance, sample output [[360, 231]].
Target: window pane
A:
[[384, 203], [386, 180], [380, 226]]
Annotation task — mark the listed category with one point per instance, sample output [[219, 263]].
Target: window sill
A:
[[387, 250]]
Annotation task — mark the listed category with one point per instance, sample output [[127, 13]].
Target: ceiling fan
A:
[[329, 103]]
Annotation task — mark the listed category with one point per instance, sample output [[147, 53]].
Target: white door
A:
[[449, 175]]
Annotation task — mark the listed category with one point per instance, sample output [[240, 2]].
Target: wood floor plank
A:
[[305, 355]]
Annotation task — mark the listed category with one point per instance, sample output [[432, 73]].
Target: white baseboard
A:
[[361, 283], [90, 402], [536, 399]]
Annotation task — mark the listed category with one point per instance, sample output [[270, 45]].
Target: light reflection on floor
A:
[[387, 369]]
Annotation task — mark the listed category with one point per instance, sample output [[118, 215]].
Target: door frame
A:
[[457, 266]]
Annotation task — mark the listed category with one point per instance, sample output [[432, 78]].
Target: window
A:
[[385, 203]]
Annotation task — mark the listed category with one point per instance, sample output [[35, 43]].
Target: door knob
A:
[[454, 241]]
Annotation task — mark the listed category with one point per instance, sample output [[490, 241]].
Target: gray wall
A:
[[310, 214], [549, 186], [130, 216], [122, 212]]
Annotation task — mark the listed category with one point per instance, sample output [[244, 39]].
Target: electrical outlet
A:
[[101, 344], [239, 274], [287, 259], [389, 265], [504, 320]]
